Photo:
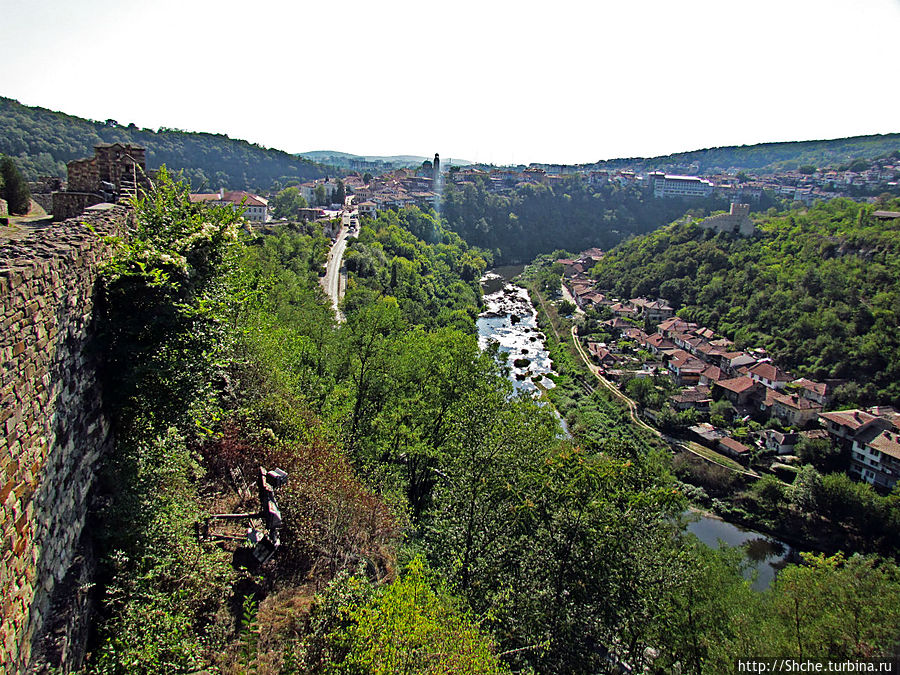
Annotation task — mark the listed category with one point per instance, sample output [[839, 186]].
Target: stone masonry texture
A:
[[52, 427]]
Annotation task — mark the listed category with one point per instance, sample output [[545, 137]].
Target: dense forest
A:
[[768, 157], [432, 521], [41, 141], [572, 215], [818, 288]]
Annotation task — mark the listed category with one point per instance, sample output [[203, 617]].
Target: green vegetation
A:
[[13, 188], [433, 274], [42, 141], [535, 219], [819, 289], [287, 204], [433, 522]]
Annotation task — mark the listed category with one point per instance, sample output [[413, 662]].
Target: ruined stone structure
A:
[[737, 220], [52, 433], [114, 173]]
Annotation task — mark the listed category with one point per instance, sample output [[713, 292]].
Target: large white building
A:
[[256, 208], [308, 190], [665, 185]]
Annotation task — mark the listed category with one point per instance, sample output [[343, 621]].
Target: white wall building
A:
[[665, 185]]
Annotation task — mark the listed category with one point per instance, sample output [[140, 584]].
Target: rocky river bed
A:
[[510, 320]]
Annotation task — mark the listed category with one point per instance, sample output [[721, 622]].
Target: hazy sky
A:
[[487, 80]]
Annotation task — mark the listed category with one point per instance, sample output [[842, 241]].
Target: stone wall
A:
[[52, 434], [67, 205], [83, 175], [45, 199], [736, 220]]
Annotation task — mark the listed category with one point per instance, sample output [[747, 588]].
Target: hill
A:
[[42, 141], [382, 162], [766, 157], [819, 289]]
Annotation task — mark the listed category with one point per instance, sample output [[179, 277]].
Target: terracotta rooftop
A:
[[770, 371], [733, 445], [852, 419], [795, 402], [888, 443], [819, 388], [737, 384]]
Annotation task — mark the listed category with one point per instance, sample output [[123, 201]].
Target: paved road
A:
[[332, 281]]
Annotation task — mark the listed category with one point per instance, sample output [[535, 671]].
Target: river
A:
[[510, 320], [765, 556]]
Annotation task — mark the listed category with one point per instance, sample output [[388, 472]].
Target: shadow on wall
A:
[[54, 434]]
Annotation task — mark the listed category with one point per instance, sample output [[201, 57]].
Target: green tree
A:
[[837, 608], [14, 188], [287, 203], [413, 627]]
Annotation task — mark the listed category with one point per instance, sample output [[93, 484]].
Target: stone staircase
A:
[[128, 190]]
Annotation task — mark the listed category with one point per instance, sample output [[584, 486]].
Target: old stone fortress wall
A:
[[52, 434]]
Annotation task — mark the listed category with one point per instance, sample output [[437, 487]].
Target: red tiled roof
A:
[[852, 419], [769, 371], [737, 384], [819, 388], [795, 402], [733, 445], [886, 442]]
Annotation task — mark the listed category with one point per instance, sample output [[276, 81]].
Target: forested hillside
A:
[[766, 157], [432, 272], [818, 288], [432, 522], [535, 219], [42, 141]]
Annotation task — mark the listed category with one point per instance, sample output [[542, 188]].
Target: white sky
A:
[[489, 80]]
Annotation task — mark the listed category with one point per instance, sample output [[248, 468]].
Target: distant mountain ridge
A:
[[349, 160], [766, 156]]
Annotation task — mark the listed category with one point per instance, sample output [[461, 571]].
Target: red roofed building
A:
[[656, 343], [674, 325], [734, 448], [602, 354], [738, 390], [875, 457], [256, 208], [844, 425], [769, 375], [795, 410], [814, 391], [711, 375]]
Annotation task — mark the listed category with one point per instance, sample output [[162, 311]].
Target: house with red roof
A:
[[738, 390], [734, 448], [819, 392], [844, 425], [875, 456], [769, 375]]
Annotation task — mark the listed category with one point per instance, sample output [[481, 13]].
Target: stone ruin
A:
[[114, 174]]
